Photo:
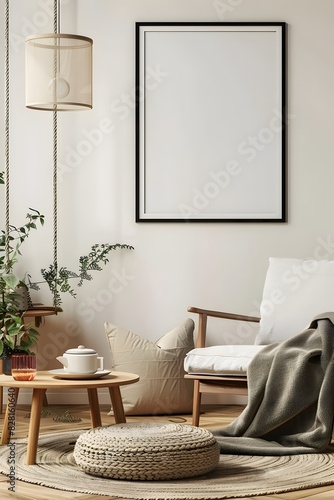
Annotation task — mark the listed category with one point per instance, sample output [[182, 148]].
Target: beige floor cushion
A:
[[147, 452], [162, 389]]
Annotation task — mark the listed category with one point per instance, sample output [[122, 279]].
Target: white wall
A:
[[174, 265]]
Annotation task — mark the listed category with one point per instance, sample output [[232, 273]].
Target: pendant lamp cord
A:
[[55, 162], [55, 147], [7, 227]]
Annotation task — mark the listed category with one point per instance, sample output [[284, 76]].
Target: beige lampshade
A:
[[59, 72]]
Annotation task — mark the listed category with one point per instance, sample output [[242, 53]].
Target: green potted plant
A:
[[15, 335]]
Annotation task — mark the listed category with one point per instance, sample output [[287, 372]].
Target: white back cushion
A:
[[295, 291]]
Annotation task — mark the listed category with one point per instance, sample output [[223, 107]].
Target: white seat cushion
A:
[[220, 360]]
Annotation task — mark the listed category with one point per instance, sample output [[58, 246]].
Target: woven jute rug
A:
[[236, 476]]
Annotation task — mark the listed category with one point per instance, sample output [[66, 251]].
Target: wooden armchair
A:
[[295, 291]]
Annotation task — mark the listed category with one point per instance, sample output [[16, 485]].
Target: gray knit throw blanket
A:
[[290, 397]]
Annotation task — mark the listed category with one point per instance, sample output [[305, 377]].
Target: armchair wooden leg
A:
[[196, 403]]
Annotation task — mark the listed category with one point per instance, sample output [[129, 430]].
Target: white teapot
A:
[[81, 360]]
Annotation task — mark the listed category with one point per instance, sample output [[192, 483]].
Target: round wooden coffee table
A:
[[46, 380]]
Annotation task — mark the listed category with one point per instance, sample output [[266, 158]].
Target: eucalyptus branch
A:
[[98, 254], [58, 278]]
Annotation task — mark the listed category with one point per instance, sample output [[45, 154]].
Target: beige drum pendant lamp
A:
[[59, 71]]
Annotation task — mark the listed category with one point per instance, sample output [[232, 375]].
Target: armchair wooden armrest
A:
[[203, 317], [211, 383]]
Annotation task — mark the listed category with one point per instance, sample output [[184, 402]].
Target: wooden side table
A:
[[44, 381]]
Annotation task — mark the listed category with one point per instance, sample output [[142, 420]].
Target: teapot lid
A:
[[81, 349]]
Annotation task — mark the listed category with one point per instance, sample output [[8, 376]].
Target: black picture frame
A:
[[210, 122]]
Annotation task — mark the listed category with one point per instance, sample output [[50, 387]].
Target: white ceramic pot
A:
[[81, 360]]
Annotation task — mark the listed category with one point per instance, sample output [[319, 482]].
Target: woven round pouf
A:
[[147, 451]]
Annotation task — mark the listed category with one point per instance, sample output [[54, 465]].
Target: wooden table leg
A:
[[35, 419], [8, 429], [45, 400], [117, 404], [94, 406]]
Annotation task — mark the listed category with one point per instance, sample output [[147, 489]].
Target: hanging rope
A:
[[55, 157], [7, 133]]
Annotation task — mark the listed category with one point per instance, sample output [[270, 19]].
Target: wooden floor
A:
[[53, 420]]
